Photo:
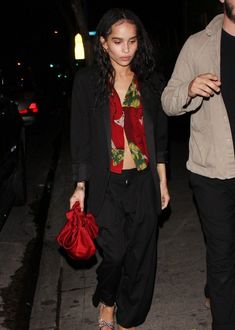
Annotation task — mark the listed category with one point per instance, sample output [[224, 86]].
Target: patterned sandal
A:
[[102, 323]]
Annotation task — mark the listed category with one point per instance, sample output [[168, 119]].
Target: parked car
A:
[[12, 156], [20, 86], [26, 103]]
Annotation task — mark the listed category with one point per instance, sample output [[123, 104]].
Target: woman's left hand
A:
[[165, 197]]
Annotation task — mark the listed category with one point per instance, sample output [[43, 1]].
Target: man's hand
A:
[[204, 85]]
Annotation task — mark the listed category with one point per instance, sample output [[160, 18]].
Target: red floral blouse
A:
[[128, 117]]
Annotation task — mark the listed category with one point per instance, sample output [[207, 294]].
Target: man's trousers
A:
[[215, 199]]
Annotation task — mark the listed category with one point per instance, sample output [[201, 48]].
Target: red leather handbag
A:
[[78, 234]]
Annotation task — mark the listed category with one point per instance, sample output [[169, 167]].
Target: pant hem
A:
[[223, 326], [96, 300]]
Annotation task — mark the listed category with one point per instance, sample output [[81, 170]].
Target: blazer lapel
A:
[[148, 123], [106, 114]]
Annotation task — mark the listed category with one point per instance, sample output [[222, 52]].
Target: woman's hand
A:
[[165, 197], [78, 195]]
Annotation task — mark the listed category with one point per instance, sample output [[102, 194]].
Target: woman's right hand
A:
[[78, 195]]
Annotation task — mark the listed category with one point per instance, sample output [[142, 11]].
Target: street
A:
[[22, 235], [63, 288]]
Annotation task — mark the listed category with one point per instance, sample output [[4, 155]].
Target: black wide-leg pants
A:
[[216, 204], [128, 239]]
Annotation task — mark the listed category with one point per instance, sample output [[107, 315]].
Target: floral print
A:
[[139, 158], [132, 98], [128, 118]]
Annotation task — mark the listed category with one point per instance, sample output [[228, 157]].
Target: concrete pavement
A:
[[63, 295]]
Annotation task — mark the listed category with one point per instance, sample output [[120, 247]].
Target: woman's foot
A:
[[106, 318], [207, 303]]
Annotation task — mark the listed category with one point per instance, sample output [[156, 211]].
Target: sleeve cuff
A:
[[80, 172], [162, 157]]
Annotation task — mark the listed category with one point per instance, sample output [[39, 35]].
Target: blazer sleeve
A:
[[162, 137], [162, 126], [80, 129]]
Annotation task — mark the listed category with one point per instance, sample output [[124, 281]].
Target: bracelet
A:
[[82, 188]]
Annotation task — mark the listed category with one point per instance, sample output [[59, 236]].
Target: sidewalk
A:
[[63, 295]]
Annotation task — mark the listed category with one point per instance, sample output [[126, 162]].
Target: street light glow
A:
[[79, 48]]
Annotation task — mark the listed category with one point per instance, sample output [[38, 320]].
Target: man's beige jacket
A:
[[211, 150]]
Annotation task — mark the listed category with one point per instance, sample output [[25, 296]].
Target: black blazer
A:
[[91, 134]]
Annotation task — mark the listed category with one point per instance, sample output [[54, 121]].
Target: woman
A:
[[118, 143]]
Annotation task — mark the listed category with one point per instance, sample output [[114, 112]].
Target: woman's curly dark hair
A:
[[143, 63]]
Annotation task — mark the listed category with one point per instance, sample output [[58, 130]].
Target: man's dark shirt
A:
[[228, 77]]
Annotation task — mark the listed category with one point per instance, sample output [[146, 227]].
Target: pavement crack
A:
[[59, 291], [77, 289]]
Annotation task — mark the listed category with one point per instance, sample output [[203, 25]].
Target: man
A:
[[203, 83]]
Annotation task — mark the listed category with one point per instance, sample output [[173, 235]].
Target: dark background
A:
[[27, 31], [28, 43]]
